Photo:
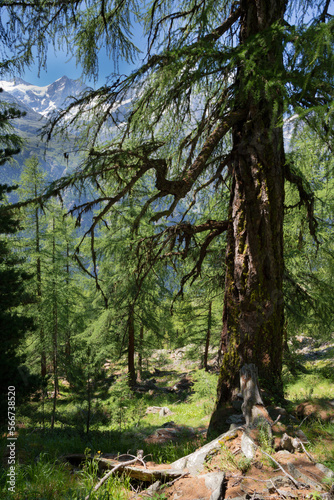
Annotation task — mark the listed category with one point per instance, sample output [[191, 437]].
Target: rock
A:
[[214, 481], [286, 443], [328, 473], [299, 476], [296, 444], [183, 385], [167, 434], [153, 409], [278, 482], [300, 434], [195, 461], [169, 424], [248, 447], [165, 411], [283, 454], [236, 419], [152, 489]]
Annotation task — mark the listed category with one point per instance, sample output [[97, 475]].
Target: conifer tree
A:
[[207, 107], [14, 324], [32, 184]]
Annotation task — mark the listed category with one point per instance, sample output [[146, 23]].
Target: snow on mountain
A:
[[43, 100]]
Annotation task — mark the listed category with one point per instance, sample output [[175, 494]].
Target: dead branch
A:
[[296, 483], [113, 470]]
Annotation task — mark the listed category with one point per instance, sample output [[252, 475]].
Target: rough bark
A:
[[253, 306]]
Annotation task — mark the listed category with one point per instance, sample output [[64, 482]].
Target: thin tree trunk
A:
[[253, 306], [131, 348], [68, 330], [89, 401], [207, 339], [140, 353], [54, 329], [39, 292]]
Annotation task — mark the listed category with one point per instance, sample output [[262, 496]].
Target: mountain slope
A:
[[38, 103], [43, 100]]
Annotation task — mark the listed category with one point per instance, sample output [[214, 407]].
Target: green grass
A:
[[317, 383], [119, 425]]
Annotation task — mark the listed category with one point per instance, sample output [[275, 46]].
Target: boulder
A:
[[248, 447], [165, 412], [167, 434], [195, 461], [183, 385]]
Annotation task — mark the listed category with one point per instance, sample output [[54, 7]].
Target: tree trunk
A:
[[39, 291], [54, 328], [253, 305], [131, 348], [207, 339], [68, 327], [140, 353]]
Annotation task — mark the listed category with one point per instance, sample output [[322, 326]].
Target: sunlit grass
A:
[[318, 383]]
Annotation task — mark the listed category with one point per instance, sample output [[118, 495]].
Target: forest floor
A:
[[167, 417]]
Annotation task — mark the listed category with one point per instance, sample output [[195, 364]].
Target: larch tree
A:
[[205, 109], [32, 184], [14, 280]]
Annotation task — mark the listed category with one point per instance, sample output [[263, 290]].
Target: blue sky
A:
[[59, 64]]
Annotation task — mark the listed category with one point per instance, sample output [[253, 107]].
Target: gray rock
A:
[[165, 412], [278, 482], [214, 481], [237, 403], [153, 488], [328, 473], [300, 434], [168, 424], [248, 447], [153, 409], [236, 419], [297, 474], [286, 443], [194, 462]]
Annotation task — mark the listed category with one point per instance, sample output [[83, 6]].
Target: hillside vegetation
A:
[[121, 422]]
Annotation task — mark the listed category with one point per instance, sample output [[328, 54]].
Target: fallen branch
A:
[[275, 421], [306, 452], [296, 483], [113, 470]]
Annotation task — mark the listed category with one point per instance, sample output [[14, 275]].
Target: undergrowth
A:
[[120, 425]]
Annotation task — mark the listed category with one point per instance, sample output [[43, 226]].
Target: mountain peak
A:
[[44, 99]]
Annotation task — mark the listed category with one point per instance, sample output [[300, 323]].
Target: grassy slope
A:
[[119, 424]]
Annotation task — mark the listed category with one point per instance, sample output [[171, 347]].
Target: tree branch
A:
[[306, 197]]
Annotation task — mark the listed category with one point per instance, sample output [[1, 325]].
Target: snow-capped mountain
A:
[[38, 103], [42, 100]]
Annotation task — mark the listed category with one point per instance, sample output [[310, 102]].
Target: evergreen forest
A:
[[174, 289]]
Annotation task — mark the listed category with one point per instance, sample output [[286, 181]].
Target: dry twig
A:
[[112, 471]]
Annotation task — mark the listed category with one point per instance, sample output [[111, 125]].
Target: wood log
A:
[[149, 475]]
